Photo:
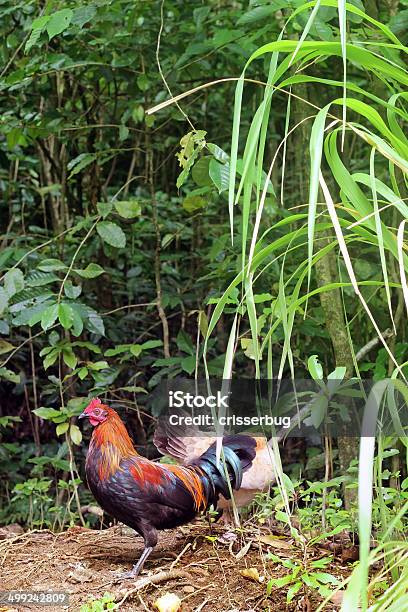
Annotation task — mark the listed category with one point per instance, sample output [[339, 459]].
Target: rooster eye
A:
[[97, 411]]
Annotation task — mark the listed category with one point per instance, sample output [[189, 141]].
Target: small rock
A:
[[188, 589], [80, 574]]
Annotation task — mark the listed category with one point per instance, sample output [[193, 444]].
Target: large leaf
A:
[[3, 300], [128, 209], [65, 315], [79, 163], [76, 434], [49, 316], [38, 279], [13, 281], [37, 27], [59, 22], [92, 270], [112, 234], [51, 265], [219, 174], [47, 413]]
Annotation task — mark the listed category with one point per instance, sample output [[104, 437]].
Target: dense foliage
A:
[[117, 265]]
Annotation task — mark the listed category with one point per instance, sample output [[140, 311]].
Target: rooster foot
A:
[[118, 576], [136, 569]]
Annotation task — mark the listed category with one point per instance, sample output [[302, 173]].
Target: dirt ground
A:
[[204, 571]]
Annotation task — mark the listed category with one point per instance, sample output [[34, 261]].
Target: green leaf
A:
[[135, 349], [69, 357], [3, 300], [151, 344], [104, 208], [128, 209], [37, 27], [38, 279], [191, 144], [200, 172], [13, 282], [65, 315], [143, 82], [83, 15], [293, 590], [92, 270], [188, 364], [261, 13], [315, 368], [167, 239], [77, 323], [247, 345], [337, 374], [138, 113], [59, 22], [184, 342], [134, 389], [5, 347], [193, 202], [123, 133], [72, 291], [281, 582], [112, 234], [15, 137], [219, 174], [80, 162], [82, 373], [326, 578], [219, 154], [47, 413], [51, 265], [49, 316], [98, 365], [51, 358], [203, 323], [75, 434], [7, 374], [62, 428], [95, 324], [118, 350], [318, 410]]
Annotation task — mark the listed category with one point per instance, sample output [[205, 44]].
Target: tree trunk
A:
[[336, 327]]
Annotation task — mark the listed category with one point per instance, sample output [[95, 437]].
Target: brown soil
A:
[[203, 571]]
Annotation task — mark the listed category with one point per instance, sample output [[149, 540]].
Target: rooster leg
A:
[[150, 540], [137, 568]]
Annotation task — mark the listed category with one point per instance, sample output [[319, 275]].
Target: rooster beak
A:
[[82, 416]]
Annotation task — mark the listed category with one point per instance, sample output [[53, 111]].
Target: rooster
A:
[[149, 496], [186, 445]]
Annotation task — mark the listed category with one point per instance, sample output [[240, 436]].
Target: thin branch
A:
[[71, 265]]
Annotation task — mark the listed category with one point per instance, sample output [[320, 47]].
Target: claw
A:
[[125, 575], [136, 569]]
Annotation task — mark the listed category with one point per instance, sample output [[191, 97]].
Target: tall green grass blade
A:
[[306, 30], [378, 226], [342, 24], [234, 151]]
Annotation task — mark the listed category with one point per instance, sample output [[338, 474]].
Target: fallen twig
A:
[[201, 606], [177, 559], [151, 580]]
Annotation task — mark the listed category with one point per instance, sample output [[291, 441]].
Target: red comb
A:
[[93, 403]]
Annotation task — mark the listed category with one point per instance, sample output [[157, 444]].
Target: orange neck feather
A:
[[113, 441]]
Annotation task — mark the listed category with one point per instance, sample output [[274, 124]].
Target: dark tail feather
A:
[[168, 439], [239, 452]]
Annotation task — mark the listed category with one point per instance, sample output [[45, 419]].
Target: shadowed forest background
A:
[[117, 265]]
